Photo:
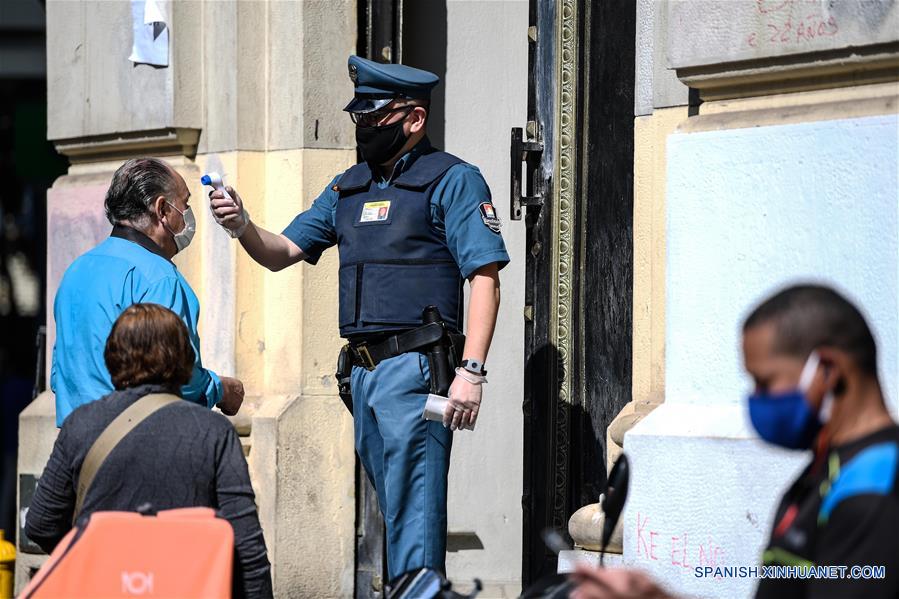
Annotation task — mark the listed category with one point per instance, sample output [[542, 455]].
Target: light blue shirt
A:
[[95, 290]]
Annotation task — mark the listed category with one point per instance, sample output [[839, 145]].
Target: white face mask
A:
[[183, 238]]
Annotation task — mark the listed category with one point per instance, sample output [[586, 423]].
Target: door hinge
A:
[[529, 152]]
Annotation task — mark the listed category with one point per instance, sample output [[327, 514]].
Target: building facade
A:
[[766, 154], [676, 161]]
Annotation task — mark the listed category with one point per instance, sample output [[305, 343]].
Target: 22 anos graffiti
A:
[[805, 30]]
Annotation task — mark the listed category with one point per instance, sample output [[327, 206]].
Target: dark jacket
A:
[[181, 456]]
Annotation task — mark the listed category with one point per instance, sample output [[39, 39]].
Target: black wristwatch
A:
[[474, 367]]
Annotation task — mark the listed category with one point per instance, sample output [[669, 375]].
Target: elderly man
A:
[[411, 224], [813, 360], [147, 204]]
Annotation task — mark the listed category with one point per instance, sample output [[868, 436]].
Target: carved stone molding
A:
[[157, 142], [563, 212], [807, 72], [563, 259]]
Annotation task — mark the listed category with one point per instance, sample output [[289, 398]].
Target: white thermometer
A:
[[217, 182]]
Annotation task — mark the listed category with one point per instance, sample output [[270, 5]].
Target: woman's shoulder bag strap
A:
[[121, 425]]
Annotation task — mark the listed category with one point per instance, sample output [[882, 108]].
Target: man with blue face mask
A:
[[813, 360], [147, 204], [814, 363]]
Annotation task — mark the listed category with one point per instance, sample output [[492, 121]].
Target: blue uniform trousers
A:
[[406, 458]]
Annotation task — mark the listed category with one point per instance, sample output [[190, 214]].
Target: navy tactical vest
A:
[[393, 262]]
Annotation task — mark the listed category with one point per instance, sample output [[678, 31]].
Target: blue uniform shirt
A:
[[455, 211], [95, 290]]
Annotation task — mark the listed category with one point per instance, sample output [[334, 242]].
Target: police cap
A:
[[377, 84]]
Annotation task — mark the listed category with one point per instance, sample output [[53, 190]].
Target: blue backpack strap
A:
[[354, 178], [427, 169], [871, 472]]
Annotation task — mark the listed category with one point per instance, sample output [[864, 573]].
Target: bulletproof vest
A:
[[393, 262]]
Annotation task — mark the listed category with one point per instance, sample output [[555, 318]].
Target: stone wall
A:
[[750, 210], [760, 187], [484, 96], [253, 89]]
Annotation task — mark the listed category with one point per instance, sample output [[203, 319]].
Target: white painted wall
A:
[[485, 95], [749, 211]]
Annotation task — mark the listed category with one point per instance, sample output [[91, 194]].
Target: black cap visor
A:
[[363, 105]]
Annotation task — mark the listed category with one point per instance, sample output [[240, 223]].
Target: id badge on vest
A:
[[375, 213]]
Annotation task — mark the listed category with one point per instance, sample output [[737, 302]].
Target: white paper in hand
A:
[[434, 408]]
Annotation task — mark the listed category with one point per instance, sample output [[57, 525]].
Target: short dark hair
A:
[[148, 344], [809, 316], [134, 186]]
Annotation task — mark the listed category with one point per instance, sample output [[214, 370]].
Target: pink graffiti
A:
[[680, 550], [783, 28]]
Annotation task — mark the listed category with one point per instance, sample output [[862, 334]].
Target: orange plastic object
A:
[[185, 553], [7, 567]]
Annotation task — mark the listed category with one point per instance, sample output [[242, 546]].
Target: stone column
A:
[[254, 90], [762, 189]]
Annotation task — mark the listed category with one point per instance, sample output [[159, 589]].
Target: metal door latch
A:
[[530, 153]]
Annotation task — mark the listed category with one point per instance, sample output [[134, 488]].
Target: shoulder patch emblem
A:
[[488, 215]]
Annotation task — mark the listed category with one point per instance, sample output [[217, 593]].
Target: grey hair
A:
[[134, 186]]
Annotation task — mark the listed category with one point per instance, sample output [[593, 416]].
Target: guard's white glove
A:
[[229, 211], [464, 402]]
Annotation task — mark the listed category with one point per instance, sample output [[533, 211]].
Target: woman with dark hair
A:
[[183, 455]]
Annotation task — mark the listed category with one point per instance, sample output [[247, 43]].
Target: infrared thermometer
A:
[[217, 182]]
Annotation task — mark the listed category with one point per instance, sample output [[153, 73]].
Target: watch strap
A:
[[474, 366]]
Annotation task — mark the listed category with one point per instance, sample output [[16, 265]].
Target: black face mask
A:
[[380, 144]]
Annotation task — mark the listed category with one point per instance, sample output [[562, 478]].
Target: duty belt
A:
[[369, 355]]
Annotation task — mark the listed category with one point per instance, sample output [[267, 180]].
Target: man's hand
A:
[[463, 405], [614, 583], [232, 396], [229, 213]]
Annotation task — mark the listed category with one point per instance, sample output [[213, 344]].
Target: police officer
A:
[[411, 224]]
